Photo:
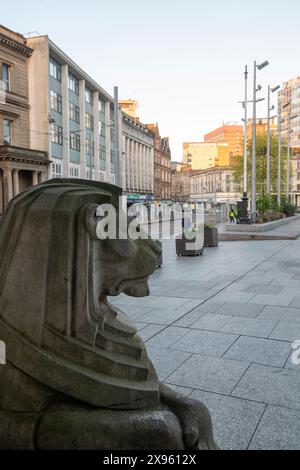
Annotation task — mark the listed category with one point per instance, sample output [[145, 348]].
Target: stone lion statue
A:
[[78, 375]]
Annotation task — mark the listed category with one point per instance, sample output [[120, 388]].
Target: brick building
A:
[[162, 164], [20, 166]]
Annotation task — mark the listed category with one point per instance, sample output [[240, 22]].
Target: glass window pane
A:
[[7, 132]]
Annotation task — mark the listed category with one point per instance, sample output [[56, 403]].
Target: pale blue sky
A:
[[182, 60]]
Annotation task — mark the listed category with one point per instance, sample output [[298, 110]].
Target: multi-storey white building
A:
[[71, 116], [138, 148]]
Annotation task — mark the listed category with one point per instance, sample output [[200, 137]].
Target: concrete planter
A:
[[182, 249], [260, 227], [211, 237]]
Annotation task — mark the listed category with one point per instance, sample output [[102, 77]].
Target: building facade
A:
[[202, 155], [20, 165], [214, 185], [232, 134], [162, 164], [138, 148], [129, 107], [71, 116], [289, 99], [261, 126], [181, 186]]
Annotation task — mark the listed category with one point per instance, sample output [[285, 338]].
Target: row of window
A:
[[57, 138], [74, 172], [163, 175], [163, 161], [73, 84], [74, 112]]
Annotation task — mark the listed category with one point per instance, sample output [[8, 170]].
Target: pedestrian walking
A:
[[231, 216]]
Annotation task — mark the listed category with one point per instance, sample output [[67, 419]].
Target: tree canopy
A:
[[261, 164]]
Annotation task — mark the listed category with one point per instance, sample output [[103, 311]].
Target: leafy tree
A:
[[261, 164]]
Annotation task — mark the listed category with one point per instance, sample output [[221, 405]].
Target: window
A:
[[88, 146], [74, 172], [74, 112], [112, 156], [56, 170], [55, 101], [89, 121], [55, 69], [56, 134], [5, 76], [102, 153], [101, 129], [101, 106], [88, 96], [73, 84], [112, 134], [7, 132], [75, 141]]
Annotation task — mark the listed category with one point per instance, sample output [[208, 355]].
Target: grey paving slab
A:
[[286, 331], [150, 330], [240, 309], [249, 326], [140, 325], [161, 316], [134, 312], [166, 361], [172, 291], [295, 302], [159, 302], [287, 314], [209, 343], [275, 386], [182, 390], [202, 293], [189, 318], [260, 288], [236, 296], [283, 299], [293, 361], [261, 351], [185, 291], [212, 374], [211, 305], [285, 280], [279, 429], [234, 420], [211, 321], [167, 337]]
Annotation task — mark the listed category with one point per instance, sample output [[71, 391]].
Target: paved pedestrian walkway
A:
[[220, 328]]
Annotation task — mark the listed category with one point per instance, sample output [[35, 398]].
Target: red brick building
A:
[[162, 164]]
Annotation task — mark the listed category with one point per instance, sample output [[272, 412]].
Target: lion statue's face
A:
[[120, 266], [129, 263]]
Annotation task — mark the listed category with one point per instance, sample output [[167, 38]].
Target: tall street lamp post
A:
[[280, 122], [117, 126], [245, 105], [270, 108], [255, 89]]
